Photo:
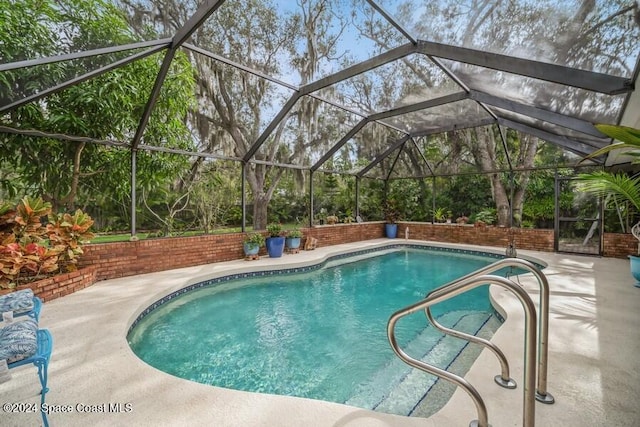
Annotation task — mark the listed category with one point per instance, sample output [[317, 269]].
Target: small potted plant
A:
[[485, 217], [322, 216], [252, 244], [293, 239], [439, 214], [332, 219], [391, 216], [275, 241]]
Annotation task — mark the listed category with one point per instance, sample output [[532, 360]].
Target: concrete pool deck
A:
[[594, 357]]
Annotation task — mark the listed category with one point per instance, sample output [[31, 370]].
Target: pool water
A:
[[319, 334]]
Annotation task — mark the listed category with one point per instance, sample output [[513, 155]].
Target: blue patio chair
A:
[[21, 303], [22, 343]]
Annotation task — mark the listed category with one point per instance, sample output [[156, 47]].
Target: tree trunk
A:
[[501, 199], [260, 205]]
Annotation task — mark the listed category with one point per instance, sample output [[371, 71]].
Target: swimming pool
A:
[[320, 333]]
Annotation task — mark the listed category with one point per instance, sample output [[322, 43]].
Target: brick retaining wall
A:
[[537, 240], [60, 285], [618, 245]]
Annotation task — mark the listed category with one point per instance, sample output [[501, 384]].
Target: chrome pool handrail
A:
[[542, 395], [463, 285], [503, 379]]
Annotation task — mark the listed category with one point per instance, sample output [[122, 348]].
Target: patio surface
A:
[[594, 362]]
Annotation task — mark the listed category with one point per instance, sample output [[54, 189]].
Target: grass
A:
[[125, 237], [110, 238]]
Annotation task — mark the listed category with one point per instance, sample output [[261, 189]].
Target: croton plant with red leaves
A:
[[36, 243]]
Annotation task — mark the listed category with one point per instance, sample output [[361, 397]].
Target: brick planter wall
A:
[[60, 285], [147, 256], [111, 260]]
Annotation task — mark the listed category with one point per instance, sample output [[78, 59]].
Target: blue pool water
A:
[[319, 334]]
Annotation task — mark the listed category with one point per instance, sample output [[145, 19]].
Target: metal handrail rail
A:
[[503, 379], [542, 395], [466, 284]]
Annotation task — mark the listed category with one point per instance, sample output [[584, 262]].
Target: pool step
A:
[[403, 398], [409, 385]]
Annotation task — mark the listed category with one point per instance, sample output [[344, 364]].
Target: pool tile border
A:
[[293, 270]]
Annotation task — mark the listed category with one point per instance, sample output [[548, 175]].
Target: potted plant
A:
[[391, 216], [618, 187], [322, 216], [252, 244], [275, 241], [439, 214], [332, 219], [293, 239], [485, 217]]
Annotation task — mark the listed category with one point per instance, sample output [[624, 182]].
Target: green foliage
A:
[[629, 138], [391, 212], [615, 188], [410, 196], [216, 196], [254, 239], [274, 229], [619, 188], [106, 107], [487, 216], [441, 214], [295, 233], [464, 194], [289, 203], [371, 196]]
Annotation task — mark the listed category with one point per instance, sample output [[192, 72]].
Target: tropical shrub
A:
[[487, 216], [616, 188], [35, 243], [67, 232]]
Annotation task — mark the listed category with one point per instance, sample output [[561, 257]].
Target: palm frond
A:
[[624, 134], [608, 148], [619, 186], [628, 138]]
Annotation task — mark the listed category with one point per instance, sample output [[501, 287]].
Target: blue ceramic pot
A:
[[275, 246], [251, 248], [391, 230], [293, 242], [635, 269]]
